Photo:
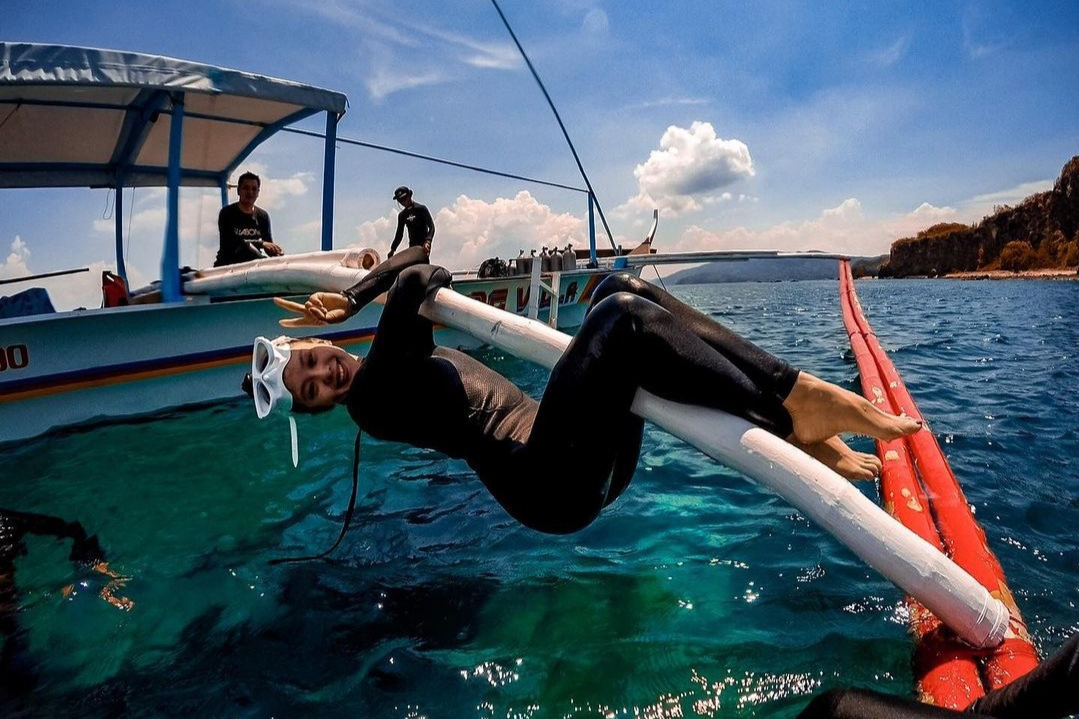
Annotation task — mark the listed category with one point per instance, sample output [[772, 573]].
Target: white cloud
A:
[[472, 230], [67, 292], [385, 81], [843, 229], [892, 54], [670, 101], [685, 172], [1012, 195], [275, 190], [596, 22], [16, 263], [478, 53], [986, 30], [405, 52]]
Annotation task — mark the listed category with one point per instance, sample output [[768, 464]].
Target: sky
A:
[[766, 125]]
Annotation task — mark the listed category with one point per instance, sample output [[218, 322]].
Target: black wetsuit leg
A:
[[766, 371], [1050, 690], [707, 364], [626, 342], [867, 704]]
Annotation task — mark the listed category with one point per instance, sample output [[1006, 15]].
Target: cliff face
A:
[[1041, 231]]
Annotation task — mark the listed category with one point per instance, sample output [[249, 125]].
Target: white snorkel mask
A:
[[268, 361]]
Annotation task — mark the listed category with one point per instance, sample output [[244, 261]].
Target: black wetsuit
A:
[[421, 228], [1050, 690], [241, 234], [634, 336]]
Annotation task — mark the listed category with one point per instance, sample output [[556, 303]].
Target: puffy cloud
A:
[[685, 172], [472, 230], [16, 263], [67, 292], [843, 229], [274, 191]]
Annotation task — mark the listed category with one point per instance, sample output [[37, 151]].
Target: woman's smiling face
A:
[[319, 374]]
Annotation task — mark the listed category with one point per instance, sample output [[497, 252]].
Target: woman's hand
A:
[[322, 308]]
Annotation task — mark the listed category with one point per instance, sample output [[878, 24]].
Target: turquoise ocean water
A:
[[695, 595]]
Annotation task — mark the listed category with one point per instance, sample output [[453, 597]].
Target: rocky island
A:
[[1040, 235]]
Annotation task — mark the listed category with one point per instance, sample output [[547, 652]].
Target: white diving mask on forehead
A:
[[268, 361]]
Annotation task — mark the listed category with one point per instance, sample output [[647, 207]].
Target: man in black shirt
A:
[[417, 218], [244, 228]]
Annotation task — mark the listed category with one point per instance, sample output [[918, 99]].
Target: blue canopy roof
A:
[[84, 117]]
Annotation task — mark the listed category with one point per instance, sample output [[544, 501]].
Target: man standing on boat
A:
[[417, 218], [244, 228]]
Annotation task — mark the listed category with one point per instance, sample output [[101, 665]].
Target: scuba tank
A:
[[527, 263], [520, 265], [569, 258], [556, 260]]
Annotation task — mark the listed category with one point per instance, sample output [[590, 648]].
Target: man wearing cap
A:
[[416, 217]]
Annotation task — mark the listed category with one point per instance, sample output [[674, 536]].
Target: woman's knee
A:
[[618, 282], [620, 305]]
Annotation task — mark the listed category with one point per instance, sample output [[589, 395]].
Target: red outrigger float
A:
[[948, 672]]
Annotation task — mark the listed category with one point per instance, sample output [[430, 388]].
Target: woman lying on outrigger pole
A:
[[634, 336]]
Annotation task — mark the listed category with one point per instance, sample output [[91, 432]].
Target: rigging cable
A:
[[557, 117], [429, 158]]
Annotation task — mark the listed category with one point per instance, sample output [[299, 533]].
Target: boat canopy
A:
[[84, 117]]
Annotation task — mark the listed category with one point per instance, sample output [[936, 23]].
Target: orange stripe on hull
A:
[[123, 377]]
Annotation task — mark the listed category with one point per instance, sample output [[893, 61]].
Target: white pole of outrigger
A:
[[904, 558]]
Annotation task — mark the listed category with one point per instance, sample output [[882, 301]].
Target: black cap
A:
[[401, 192]]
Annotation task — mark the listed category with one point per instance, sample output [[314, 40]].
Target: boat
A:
[[150, 121]]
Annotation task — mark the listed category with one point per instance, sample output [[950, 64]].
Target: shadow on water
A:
[[356, 648]]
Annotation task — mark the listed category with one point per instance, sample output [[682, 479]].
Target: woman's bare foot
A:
[[820, 410], [835, 454]]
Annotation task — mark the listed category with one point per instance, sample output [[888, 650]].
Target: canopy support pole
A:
[[330, 156], [593, 262], [118, 210], [170, 257]]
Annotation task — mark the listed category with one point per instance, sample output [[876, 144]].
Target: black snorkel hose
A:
[[348, 512]]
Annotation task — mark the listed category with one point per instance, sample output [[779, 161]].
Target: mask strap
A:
[[348, 512], [295, 441]]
